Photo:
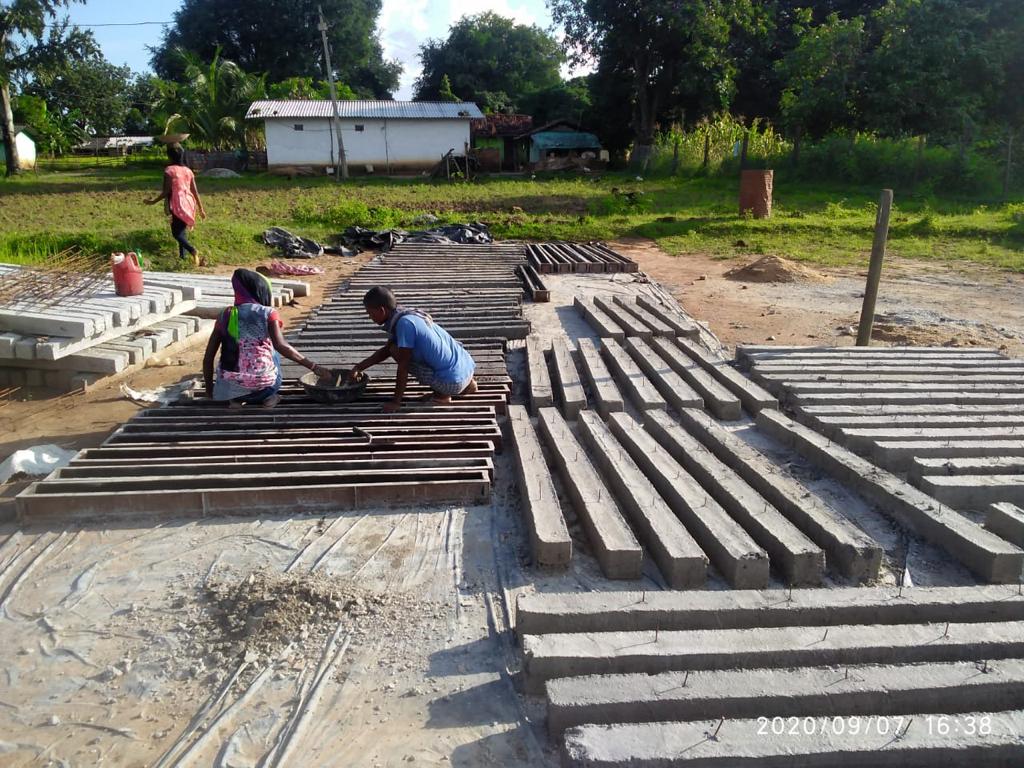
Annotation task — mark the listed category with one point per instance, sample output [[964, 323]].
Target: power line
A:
[[117, 24]]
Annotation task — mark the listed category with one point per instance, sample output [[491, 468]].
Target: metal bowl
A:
[[326, 392]]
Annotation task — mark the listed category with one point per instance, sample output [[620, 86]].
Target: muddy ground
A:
[[370, 638]]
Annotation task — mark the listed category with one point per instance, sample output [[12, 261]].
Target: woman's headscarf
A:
[[251, 288]]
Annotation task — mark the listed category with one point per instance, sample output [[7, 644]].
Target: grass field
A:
[[102, 210]]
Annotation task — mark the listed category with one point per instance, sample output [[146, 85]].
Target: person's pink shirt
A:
[[183, 202]]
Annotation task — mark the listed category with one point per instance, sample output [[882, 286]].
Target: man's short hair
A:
[[379, 296]]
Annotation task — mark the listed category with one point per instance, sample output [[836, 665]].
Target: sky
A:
[[404, 25]]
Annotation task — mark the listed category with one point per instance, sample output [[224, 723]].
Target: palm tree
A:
[[211, 103]]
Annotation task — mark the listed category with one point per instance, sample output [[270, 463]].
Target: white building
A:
[[379, 136], [26, 149]]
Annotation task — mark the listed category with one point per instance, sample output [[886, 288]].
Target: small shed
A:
[[26, 149], [561, 139], [494, 139], [389, 136]]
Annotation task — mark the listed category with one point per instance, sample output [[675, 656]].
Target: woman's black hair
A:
[[176, 154]]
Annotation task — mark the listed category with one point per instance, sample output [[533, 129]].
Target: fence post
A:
[[867, 312]]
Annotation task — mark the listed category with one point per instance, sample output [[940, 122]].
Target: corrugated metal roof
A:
[[366, 110]]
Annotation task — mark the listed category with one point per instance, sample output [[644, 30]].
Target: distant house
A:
[[26, 149], [561, 139], [114, 145], [388, 136], [494, 139]]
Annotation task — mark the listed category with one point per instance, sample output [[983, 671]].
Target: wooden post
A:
[[707, 146], [867, 312]]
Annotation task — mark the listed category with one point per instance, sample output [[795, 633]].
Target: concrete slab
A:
[[983, 465], [683, 325], [830, 425], [606, 394], [925, 409], [733, 552], [986, 554], [541, 394], [567, 382], [819, 387], [679, 558], [549, 536], [797, 558], [669, 384], [1006, 520], [717, 399], [747, 744], [807, 692], [899, 456], [753, 396], [924, 397], [848, 549], [630, 378], [611, 540], [588, 653], [974, 492], [863, 438], [767, 351], [542, 613], [604, 325]]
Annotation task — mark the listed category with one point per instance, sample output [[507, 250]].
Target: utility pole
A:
[[342, 165], [867, 312]]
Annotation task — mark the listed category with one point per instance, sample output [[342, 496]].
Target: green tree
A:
[[570, 99], [212, 102], [281, 39], [97, 90], [444, 92], [674, 54], [308, 88], [143, 117], [23, 42], [488, 56], [53, 133], [821, 75]]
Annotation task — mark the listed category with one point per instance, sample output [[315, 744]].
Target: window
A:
[[360, 128], [299, 127]]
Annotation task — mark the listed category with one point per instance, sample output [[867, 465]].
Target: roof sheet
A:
[[366, 110]]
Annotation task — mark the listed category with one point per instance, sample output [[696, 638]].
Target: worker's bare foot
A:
[[441, 400], [271, 401]]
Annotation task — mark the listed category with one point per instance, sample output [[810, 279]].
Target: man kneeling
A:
[[419, 346]]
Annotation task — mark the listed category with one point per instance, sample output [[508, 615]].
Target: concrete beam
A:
[[633, 381], [605, 326], [682, 324], [830, 425], [623, 319], [974, 492], [645, 318], [982, 465], [925, 409], [589, 653], [549, 536], [1006, 520], [849, 550], [753, 397], [719, 400], [924, 397], [678, 556], [540, 380], [611, 540], [567, 380], [982, 551], [669, 384], [606, 394], [731, 549], [543, 613], [816, 692], [744, 744], [796, 557], [899, 456]]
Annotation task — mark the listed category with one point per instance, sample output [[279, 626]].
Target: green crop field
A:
[[102, 210]]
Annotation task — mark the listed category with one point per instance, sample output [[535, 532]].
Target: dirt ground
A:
[[375, 638]]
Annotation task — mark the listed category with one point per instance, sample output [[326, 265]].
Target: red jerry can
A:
[[127, 274]]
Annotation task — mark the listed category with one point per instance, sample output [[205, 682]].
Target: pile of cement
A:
[[773, 269]]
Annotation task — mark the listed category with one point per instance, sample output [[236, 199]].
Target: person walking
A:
[[420, 347], [181, 201], [248, 336]]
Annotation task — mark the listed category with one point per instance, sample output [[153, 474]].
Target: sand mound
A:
[[772, 269]]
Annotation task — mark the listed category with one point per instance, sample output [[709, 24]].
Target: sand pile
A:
[[773, 269]]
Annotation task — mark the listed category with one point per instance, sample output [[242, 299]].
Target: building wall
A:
[[398, 144], [26, 151]]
